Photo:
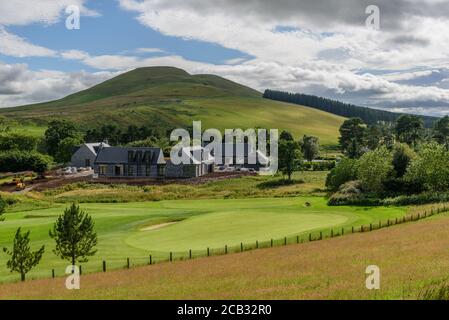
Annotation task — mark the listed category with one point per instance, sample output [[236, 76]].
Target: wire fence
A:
[[104, 265]]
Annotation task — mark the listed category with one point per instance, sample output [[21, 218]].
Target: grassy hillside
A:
[[170, 97], [410, 257]]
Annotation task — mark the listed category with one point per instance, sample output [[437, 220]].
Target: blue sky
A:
[[115, 31], [320, 47]]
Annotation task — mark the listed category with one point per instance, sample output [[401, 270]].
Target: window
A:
[[147, 171], [130, 171], [103, 170], [87, 163], [161, 170], [118, 171]]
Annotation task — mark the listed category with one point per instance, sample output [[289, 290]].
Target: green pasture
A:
[[123, 227]]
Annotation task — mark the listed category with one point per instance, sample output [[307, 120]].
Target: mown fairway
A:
[[201, 224], [410, 256]]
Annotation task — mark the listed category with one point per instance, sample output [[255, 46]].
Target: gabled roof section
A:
[[95, 147], [128, 155]]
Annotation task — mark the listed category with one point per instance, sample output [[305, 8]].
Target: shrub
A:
[[347, 193], [18, 161], [2, 208], [417, 199], [402, 156], [374, 168], [323, 166], [343, 172], [17, 141], [430, 168], [396, 186]]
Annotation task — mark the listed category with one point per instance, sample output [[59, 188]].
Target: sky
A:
[[316, 47]]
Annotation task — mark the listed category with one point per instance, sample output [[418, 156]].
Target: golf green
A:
[[136, 230]]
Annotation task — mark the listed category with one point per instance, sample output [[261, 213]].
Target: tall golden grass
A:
[[411, 257]]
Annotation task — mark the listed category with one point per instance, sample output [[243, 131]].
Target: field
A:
[[305, 183], [171, 98], [124, 229], [411, 257]]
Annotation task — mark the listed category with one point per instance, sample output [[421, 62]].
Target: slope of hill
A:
[[368, 115], [169, 98]]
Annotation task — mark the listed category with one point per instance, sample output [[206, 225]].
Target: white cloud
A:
[[22, 12], [74, 55], [149, 50], [304, 45], [12, 45], [309, 46], [20, 85]]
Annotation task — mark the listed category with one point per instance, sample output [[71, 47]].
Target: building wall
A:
[[79, 157], [138, 171], [171, 171]]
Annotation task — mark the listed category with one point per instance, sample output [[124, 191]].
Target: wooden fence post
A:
[[151, 259], [257, 244], [81, 270], [342, 231], [208, 252], [53, 273], [190, 254], [104, 266], [310, 237], [272, 242], [297, 239], [285, 241], [171, 256], [370, 227], [127, 263], [241, 246], [332, 233], [352, 229]]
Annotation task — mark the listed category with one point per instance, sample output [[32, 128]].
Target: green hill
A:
[[170, 97]]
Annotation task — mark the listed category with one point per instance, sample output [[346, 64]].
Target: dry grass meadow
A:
[[410, 256]]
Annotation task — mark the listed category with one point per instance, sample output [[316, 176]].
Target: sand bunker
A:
[[157, 226]]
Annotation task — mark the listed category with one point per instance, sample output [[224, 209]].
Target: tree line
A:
[[368, 115], [401, 162]]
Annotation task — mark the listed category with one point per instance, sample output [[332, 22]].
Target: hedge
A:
[[19, 161]]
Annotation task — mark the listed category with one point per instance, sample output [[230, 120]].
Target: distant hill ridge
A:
[[165, 98], [369, 115]]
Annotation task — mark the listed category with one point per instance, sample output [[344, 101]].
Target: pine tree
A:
[[22, 258], [74, 235]]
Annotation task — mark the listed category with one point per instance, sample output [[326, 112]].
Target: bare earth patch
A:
[[158, 226]]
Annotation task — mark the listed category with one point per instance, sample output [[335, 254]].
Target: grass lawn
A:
[[410, 257], [205, 223]]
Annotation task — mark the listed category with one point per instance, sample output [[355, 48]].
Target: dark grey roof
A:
[[230, 150], [121, 155]]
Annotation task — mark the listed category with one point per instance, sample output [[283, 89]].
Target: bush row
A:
[[18, 161]]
